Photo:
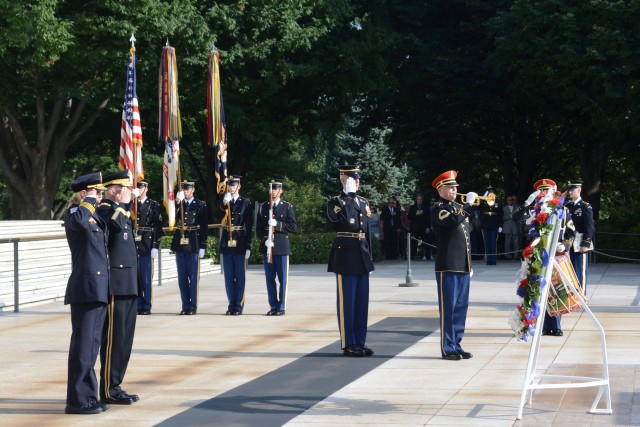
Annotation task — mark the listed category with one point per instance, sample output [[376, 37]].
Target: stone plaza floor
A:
[[212, 369]]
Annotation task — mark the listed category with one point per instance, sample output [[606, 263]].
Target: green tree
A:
[[64, 64]]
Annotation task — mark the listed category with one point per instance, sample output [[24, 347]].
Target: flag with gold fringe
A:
[[131, 129], [170, 129], [216, 125]]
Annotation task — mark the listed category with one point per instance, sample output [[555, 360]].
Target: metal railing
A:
[[55, 236]]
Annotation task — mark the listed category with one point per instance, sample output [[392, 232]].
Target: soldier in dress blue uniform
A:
[[119, 328], [491, 221], [148, 235], [542, 187], [282, 221], [189, 243], [350, 259], [87, 294], [235, 244], [453, 264], [582, 217]]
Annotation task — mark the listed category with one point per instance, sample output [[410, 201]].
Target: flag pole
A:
[[132, 52]]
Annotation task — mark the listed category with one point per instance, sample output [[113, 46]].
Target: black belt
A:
[[235, 227], [191, 228], [145, 229], [359, 235], [491, 213]]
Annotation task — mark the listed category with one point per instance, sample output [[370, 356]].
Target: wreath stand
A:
[[530, 383]]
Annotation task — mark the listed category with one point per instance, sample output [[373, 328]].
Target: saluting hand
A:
[[124, 196]]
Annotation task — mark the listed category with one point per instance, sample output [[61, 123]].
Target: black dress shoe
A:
[[279, 313], [144, 312], [465, 354], [91, 408], [118, 399], [354, 351], [451, 356], [133, 397], [557, 333], [367, 350], [103, 406], [547, 331], [190, 312], [272, 312], [183, 312], [236, 313], [229, 313]]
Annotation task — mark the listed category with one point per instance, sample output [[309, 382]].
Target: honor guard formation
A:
[[114, 233]]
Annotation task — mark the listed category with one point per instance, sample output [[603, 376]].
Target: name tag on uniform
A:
[[125, 236], [352, 221]]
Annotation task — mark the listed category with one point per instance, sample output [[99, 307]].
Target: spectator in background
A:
[[511, 229], [390, 219], [374, 223], [420, 225]]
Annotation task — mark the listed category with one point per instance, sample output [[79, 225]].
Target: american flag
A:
[[131, 131]]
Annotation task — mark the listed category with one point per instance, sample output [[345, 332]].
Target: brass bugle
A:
[[490, 199]]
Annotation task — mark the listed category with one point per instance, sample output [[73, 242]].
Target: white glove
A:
[[180, 196], [201, 253], [273, 222], [560, 248], [350, 186], [471, 197], [531, 198], [499, 229], [154, 253], [486, 193], [135, 192], [247, 254], [268, 243], [227, 197]]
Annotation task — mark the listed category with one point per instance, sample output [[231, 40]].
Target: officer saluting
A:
[[453, 264], [235, 243], [188, 243], [278, 216], [87, 294], [117, 337], [148, 235], [350, 260], [582, 217]]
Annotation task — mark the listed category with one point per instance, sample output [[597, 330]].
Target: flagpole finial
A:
[[167, 41], [214, 49], [132, 40]]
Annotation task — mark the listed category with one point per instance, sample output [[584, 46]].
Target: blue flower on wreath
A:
[[535, 308], [521, 292], [560, 213], [545, 257]]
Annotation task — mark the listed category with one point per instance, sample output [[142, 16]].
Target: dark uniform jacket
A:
[[149, 226], [286, 223], [196, 221], [87, 237], [490, 216], [241, 211], [451, 226], [123, 275], [350, 253], [582, 217]]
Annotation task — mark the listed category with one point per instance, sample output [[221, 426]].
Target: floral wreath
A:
[[529, 279]]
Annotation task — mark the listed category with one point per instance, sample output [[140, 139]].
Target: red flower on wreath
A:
[[554, 202], [524, 282], [542, 217], [527, 252]]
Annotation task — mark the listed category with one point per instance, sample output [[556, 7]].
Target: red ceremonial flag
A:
[[170, 128], [131, 130]]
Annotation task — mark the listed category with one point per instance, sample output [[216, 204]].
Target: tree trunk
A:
[[33, 169]]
